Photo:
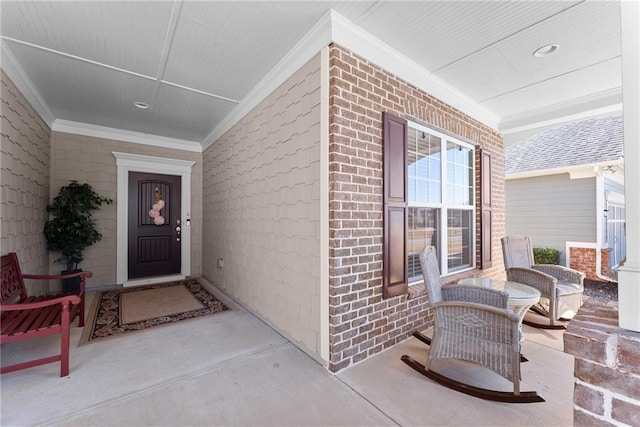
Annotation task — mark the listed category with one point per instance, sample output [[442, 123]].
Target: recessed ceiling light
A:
[[141, 105], [546, 50]]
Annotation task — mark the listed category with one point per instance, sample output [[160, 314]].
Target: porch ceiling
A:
[[197, 64]]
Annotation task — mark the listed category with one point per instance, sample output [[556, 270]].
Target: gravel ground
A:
[[600, 290]]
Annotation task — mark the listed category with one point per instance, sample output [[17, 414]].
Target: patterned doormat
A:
[[124, 310]]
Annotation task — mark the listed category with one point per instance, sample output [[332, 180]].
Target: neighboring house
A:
[[565, 189]]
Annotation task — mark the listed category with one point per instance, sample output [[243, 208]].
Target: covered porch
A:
[[239, 370], [233, 369]]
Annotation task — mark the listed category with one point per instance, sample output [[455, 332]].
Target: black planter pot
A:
[[72, 285]]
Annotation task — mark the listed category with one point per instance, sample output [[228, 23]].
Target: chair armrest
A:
[[476, 294], [67, 299], [561, 273], [82, 274], [543, 282]]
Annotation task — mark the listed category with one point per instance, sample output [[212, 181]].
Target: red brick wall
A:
[[361, 322], [606, 265], [584, 259]]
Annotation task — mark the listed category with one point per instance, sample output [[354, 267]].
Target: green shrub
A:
[[546, 256]]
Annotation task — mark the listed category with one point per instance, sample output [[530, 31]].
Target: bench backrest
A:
[[12, 283]]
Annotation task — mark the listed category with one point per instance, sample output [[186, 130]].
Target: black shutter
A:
[[485, 209], [394, 269]]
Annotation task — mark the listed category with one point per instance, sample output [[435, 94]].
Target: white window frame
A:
[[443, 206]]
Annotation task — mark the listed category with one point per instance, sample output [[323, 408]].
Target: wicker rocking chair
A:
[[473, 324], [561, 287]]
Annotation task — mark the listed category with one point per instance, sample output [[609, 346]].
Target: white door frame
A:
[[139, 163]]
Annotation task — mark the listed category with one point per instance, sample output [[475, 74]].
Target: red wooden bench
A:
[[23, 317]]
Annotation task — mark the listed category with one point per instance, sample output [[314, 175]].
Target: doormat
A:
[[124, 310]]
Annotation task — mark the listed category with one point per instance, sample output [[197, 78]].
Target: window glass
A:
[[459, 174], [434, 199], [423, 232], [424, 167], [460, 238]]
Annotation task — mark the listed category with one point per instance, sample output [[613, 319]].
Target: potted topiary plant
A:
[[71, 228]]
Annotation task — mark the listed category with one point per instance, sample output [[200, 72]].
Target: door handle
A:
[[178, 229]]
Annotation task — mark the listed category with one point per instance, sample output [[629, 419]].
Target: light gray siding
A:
[[24, 178], [552, 210], [262, 207]]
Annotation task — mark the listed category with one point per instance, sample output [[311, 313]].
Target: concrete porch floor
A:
[[233, 369]]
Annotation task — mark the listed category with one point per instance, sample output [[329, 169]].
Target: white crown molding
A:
[[142, 160], [310, 45], [86, 129], [19, 78], [575, 172], [354, 38], [606, 102]]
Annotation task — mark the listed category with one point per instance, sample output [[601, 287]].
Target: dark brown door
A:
[[154, 224]]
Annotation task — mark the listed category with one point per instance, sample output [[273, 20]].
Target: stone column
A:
[[607, 368]]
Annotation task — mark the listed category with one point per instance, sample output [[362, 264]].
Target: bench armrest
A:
[[82, 274], [67, 299], [57, 276]]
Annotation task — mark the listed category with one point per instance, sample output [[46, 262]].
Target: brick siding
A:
[[584, 259], [361, 322], [607, 367], [25, 183]]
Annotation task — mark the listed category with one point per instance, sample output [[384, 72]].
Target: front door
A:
[[154, 225]]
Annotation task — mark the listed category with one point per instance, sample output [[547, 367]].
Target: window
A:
[[615, 232], [441, 195]]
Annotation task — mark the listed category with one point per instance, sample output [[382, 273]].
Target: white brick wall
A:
[[24, 186], [261, 209]]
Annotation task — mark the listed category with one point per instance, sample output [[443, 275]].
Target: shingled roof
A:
[[580, 143]]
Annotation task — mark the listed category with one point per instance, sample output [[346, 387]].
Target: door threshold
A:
[[152, 280]]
